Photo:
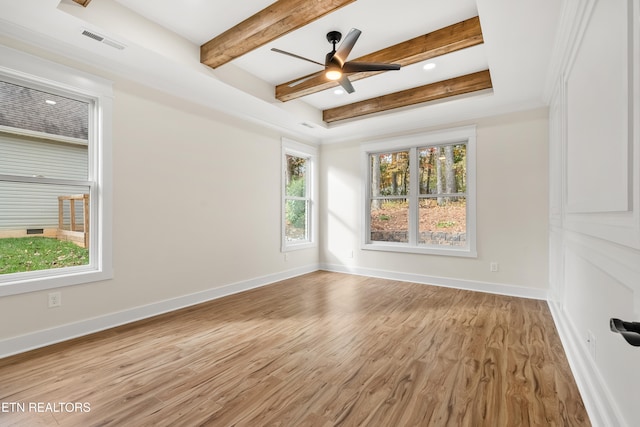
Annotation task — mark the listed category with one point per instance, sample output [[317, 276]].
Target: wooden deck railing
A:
[[75, 232]]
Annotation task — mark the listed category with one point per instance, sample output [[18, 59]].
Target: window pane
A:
[[296, 212], [25, 108], [390, 220], [27, 156], [43, 226], [295, 176], [443, 169], [390, 174], [443, 221]]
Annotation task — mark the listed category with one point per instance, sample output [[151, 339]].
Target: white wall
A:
[[196, 214], [512, 220], [170, 154], [595, 201]]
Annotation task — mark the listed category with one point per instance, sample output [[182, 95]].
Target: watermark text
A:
[[41, 407]]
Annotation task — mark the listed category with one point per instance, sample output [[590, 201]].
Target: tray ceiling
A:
[[505, 68]]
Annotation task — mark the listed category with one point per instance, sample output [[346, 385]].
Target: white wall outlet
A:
[[55, 299], [286, 256], [591, 344], [494, 267]]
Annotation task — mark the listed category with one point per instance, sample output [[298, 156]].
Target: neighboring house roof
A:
[[26, 108]]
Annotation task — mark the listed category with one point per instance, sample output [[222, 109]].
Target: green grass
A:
[[39, 253], [446, 224]]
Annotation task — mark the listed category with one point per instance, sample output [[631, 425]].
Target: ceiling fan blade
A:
[[355, 67], [296, 56], [346, 84], [304, 79], [347, 44]]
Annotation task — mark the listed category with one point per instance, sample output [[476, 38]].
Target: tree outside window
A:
[[296, 200], [418, 194], [298, 192]]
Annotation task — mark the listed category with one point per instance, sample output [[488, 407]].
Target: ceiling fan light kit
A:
[[333, 74], [336, 64]]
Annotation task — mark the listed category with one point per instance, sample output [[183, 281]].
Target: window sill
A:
[[298, 246], [42, 280], [425, 250]]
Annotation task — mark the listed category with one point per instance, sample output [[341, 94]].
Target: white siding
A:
[[24, 205], [29, 157]]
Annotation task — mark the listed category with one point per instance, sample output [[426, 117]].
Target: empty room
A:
[[319, 213]]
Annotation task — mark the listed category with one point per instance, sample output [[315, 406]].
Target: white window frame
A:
[[461, 135], [308, 152], [32, 71]]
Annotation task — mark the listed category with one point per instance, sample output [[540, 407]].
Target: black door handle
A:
[[629, 330]]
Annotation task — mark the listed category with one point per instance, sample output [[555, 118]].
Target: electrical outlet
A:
[[55, 299], [494, 267], [591, 344]]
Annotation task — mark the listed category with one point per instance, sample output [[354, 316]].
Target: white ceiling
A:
[[162, 39], [200, 21]]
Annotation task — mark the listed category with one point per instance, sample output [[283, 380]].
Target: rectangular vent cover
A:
[[102, 39]]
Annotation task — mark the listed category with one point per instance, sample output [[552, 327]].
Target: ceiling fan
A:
[[336, 65]]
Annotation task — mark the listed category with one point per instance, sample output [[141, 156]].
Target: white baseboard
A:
[[69, 331], [597, 398], [600, 406], [447, 282], [20, 344]]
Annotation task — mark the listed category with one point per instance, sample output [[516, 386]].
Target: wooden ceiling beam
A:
[[82, 2], [445, 40], [431, 92], [272, 22]]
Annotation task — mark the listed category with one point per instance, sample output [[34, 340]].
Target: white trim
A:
[[440, 137], [569, 29], [623, 226], [24, 66], [44, 180], [290, 147], [419, 249], [607, 241], [42, 338], [597, 398], [47, 137], [462, 135], [44, 74], [69, 331], [445, 282]]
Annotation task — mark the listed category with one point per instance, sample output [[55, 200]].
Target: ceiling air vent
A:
[[102, 39], [92, 35]]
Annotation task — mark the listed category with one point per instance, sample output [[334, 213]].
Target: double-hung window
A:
[[420, 193], [55, 192], [298, 195]]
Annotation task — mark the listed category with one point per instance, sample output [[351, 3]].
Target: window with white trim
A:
[[298, 192], [420, 193], [55, 169]]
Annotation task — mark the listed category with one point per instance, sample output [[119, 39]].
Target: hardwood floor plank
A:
[[324, 349]]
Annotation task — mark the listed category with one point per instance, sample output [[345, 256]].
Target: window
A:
[[54, 175], [420, 193], [298, 191]]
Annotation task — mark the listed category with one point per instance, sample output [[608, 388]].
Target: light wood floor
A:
[[324, 349]]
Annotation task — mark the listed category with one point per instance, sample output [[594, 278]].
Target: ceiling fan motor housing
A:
[[334, 37], [330, 61]]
